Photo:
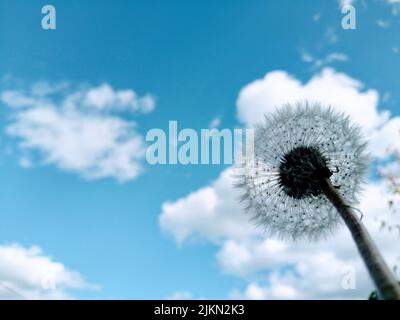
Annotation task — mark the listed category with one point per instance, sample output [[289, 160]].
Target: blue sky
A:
[[193, 58]]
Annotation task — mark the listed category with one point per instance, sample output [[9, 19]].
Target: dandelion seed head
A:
[[294, 149], [301, 170]]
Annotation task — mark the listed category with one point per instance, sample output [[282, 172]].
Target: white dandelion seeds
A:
[[306, 161], [294, 148]]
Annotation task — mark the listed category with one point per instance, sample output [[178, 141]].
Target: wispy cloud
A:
[[329, 59], [214, 123], [383, 23]]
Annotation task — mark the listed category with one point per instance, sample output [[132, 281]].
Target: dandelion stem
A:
[[384, 280]]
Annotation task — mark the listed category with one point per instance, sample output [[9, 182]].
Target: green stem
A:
[[385, 282]]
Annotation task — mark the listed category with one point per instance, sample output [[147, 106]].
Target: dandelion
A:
[[304, 177]]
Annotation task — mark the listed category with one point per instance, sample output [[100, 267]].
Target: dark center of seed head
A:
[[301, 171]]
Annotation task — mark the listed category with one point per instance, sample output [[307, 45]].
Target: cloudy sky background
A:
[[84, 216]]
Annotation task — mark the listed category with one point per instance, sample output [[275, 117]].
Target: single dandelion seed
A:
[[304, 177]]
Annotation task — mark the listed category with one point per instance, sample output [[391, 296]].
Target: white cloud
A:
[[13, 98], [44, 88], [313, 270], [386, 139], [82, 131], [321, 269], [26, 273], [104, 96], [180, 295], [278, 289], [331, 58], [328, 87], [209, 212], [275, 269]]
